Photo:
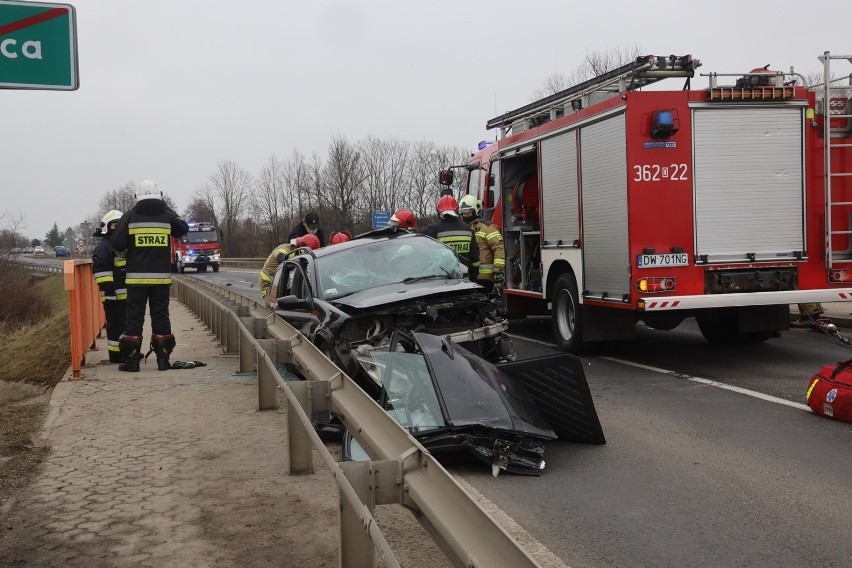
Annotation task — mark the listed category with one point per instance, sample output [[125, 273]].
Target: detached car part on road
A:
[[453, 402]]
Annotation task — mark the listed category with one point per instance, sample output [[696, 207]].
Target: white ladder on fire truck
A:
[[642, 72], [836, 259]]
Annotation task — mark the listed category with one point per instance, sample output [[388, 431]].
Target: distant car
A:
[[15, 250], [61, 251], [28, 250], [38, 251]]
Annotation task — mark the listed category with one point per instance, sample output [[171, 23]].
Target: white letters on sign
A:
[[655, 172], [29, 49]]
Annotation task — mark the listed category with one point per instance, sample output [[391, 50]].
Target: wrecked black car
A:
[[349, 298], [454, 402]]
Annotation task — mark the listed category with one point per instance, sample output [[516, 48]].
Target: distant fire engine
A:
[[726, 203], [199, 249]]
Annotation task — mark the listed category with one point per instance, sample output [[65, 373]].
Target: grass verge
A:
[[33, 360]]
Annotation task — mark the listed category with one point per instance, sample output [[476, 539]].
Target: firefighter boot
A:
[[130, 348], [163, 345]]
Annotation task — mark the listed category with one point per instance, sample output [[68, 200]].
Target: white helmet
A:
[[148, 190], [111, 216]]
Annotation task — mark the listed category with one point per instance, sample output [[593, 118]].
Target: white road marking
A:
[[708, 382], [717, 384]]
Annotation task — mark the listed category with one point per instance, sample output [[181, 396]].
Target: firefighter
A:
[[309, 226], [278, 255], [492, 257], [454, 233], [404, 219], [340, 237], [109, 273], [808, 313], [143, 238]]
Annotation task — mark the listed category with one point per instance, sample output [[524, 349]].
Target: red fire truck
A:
[[199, 249], [621, 204]]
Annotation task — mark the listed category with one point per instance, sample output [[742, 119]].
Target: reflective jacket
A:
[[109, 271], [492, 257], [455, 233], [267, 273], [143, 238]]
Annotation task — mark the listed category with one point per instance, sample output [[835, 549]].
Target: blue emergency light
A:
[[664, 123]]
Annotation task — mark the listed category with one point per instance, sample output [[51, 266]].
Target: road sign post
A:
[[38, 46]]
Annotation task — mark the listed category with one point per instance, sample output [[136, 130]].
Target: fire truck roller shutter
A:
[[603, 159], [748, 179], [559, 187]]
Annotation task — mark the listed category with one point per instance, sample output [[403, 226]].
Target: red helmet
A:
[[448, 205], [340, 237], [309, 240], [404, 218]]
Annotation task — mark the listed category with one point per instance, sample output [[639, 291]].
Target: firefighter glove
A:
[[499, 277]]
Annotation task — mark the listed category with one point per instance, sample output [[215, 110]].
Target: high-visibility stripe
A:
[[104, 279], [150, 231], [119, 262], [149, 224], [149, 281], [138, 275], [810, 388], [499, 262], [494, 235], [265, 276]]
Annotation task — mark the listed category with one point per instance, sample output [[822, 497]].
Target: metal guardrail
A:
[[86, 311], [401, 471]]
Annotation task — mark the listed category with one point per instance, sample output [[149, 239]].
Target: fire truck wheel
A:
[[174, 268], [567, 315], [215, 267]]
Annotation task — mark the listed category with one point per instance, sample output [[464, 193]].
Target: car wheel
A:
[[215, 267], [567, 314], [181, 269]]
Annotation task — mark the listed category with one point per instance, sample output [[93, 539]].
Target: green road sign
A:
[[38, 46]]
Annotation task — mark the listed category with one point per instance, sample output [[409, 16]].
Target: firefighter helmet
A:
[[448, 205], [310, 240], [340, 237], [113, 215], [148, 190], [469, 203], [404, 218]]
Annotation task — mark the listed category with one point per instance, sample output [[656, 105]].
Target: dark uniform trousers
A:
[[114, 311], [157, 296]]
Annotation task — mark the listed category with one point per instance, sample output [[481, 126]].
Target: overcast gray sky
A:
[[170, 88]]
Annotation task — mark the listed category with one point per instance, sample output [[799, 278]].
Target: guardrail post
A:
[[247, 355], [232, 332], [356, 548], [298, 440], [267, 397]]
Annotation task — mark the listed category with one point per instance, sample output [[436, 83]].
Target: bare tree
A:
[[121, 199], [343, 178], [269, 199], [384, 162], [593, 64], [200, 209], [228, 189], [16, 222]]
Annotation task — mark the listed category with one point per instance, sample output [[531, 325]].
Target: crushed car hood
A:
[[392, 293]]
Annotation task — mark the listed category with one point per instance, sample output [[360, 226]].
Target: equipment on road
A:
[[725, 203], [198, 249], [830, 391]]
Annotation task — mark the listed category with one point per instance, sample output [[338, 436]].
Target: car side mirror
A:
[[292, 302]]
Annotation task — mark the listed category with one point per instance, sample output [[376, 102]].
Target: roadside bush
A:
[[21, 303]]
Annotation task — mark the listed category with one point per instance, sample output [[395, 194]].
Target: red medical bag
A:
[[830, 391]]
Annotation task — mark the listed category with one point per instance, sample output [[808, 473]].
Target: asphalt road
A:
[[692, 474]]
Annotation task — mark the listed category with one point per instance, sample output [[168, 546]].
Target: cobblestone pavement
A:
[[173, 468]]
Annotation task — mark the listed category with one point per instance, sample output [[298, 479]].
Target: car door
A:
[[296, 303]]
